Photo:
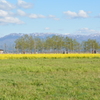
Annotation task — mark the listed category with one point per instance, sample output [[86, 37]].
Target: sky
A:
[[49, 16]]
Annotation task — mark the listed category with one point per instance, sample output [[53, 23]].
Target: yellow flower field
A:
[[30, 56]]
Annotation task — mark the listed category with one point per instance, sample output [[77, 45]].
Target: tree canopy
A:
[[55, 44]]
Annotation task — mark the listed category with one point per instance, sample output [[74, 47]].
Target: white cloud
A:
[[41, 16], [13, 20], [53, 17], [36, 16], [7, 17], [21, 13], [3, 13], [6, 5], [56, 18], [83, 14], [24, 4], [33, 16], [71, 14], [87, 31], [80, 14], [47, 28]]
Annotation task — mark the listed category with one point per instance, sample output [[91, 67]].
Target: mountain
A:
[[8, 40], [81, 38]]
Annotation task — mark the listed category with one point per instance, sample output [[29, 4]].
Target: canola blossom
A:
[[32, 56]]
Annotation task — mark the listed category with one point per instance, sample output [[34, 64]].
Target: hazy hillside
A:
[[7, 42]]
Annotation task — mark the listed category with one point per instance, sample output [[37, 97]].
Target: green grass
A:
[[50, 79]]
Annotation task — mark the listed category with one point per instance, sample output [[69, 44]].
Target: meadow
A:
[[55, 78]]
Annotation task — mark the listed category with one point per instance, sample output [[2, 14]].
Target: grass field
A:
[[50, 79]]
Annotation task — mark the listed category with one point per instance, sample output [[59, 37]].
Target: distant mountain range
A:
[[8, 40]]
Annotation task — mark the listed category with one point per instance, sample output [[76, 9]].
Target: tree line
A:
[[54, 44]]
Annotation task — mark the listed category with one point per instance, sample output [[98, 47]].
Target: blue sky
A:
[[49, 16]]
